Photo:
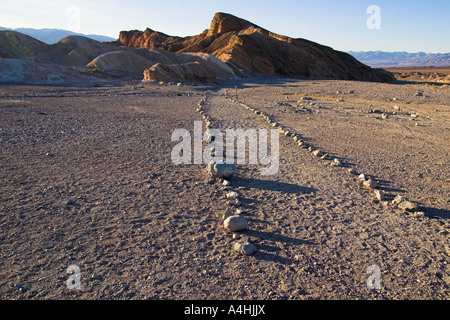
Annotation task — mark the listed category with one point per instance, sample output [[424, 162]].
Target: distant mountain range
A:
[[51, 36], [380, 59]]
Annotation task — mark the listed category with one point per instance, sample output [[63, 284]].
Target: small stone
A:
[[370, 184], [379, 195], [221, 170], [397, 200], [226, 182], [336, 162], [352, 171], [418, 94], [408, 206], [317, 153], [362, 177], [232, 195], [244, 247], [235, 223]]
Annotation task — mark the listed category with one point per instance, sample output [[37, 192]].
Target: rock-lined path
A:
[[87, 179], [322, 230]]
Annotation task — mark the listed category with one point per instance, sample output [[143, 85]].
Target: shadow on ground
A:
[[269, 185]]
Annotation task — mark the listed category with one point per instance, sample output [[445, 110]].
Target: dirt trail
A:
[[324, 231], [86, 179]]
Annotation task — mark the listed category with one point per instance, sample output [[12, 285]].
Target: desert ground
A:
[[86, 179], [428, 75]]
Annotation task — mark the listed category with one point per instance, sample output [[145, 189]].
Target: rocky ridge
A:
[[249, 48]]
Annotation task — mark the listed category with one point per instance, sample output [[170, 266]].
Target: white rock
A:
[[318, 153], [232, 195], [336, 162], [235, 223], [379, 195]]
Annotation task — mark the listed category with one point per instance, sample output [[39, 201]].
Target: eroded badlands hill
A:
[[250, 48]]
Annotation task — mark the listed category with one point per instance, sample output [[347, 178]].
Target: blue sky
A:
[[411, 26]]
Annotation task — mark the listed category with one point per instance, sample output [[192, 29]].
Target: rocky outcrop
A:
[[201, 67], [147, 38], [249, 48]]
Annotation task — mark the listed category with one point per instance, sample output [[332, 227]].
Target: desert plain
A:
[[87, 179]]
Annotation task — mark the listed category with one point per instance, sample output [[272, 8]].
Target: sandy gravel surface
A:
[[86, 179]]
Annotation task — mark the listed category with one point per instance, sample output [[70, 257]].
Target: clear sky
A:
[[411, 26]]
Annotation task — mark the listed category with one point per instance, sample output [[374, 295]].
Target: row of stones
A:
[[232, 218], [366, 182]]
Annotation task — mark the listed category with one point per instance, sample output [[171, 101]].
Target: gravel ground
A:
[[87, 179]]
